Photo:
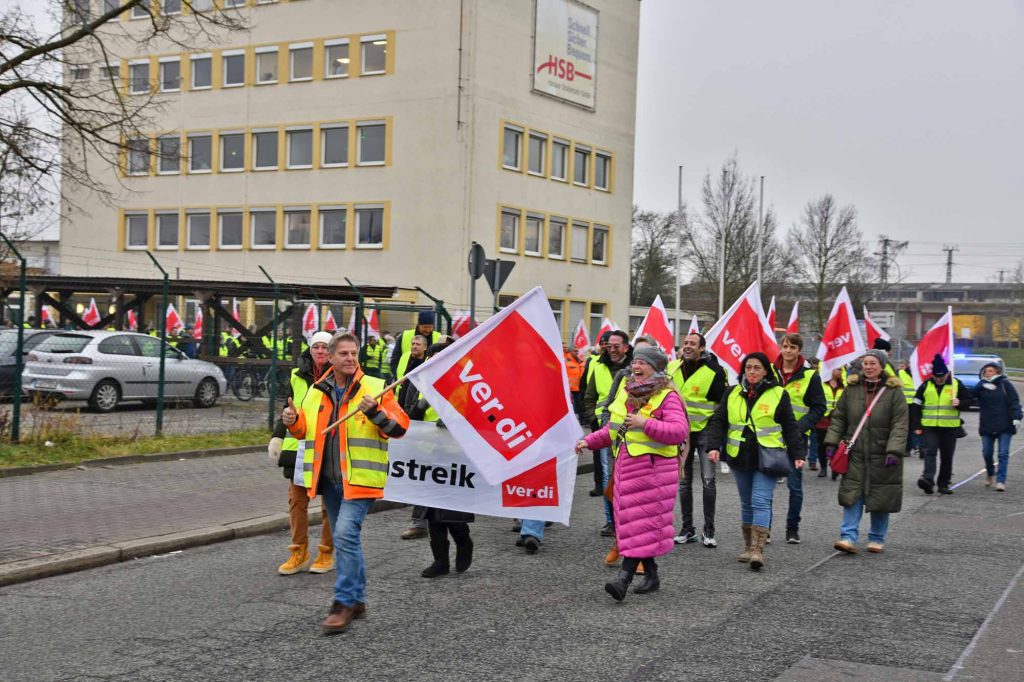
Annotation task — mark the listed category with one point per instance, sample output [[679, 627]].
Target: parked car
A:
[[8, 362], [107, 368], [967, 366]]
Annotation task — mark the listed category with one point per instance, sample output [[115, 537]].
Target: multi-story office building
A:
[[377, 141]]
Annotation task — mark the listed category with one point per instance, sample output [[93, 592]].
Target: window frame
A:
[[373, 40], [160, 246], [345, 135], [259, 51], [131, 75], [538, 219], [322, 213], [358, 210], [573, 242], [288, 147], [221, 214], [222, 156], [139, 11], [296, 210], [544, 138], [191, 156], [161, 157], [519, 133], [189, 215], [337, 42], [383, 124], [128, 216], [300, 47], [595, 228], [201, 57], [163, 8], [253, 214], [605, 159], [256, 134], [565, 146], [516, 231], [130, 151], [224, 56], [160, 73], [563, 224], [577, 148]]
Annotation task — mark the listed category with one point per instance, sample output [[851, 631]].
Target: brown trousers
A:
[[298, 505]]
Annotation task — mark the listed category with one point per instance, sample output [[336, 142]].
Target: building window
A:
[[580, 242], [234, 69], [369, 227], [597, 315], [166, 230], [234, 3], [170, 75], [264, 143], [334, 143], [170, 6], [581, 165], [532, 231], [136, 227], [200, 153], [111, 6], [138, 74], [577, 312], [333, 223], [557, 308], [230, 229], [199, 230], [509, 232], [371, 139], [512, 148], [202, 5], [110, 72], [296, 228], [202, 71], [79, 73], [138, 156], [266, 65], [300, 148], [559, 159], [536, 152], [375, 54], [336, 59], [232, 152], [140, 11], [602, 171], [556, 238], [301, 62], [168, 151], [264, 229], [599, 250]]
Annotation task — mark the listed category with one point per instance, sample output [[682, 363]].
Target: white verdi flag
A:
[[841, 342], [427, 467], [502, 390]]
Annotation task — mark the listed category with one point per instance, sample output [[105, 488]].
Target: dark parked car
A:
[[8, 344]]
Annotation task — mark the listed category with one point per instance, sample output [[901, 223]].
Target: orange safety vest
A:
[[573, 368]]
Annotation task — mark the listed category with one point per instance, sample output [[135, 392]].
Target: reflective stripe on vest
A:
[[602, 377], [299, 390], [404, 346], [938, 410], [766, 430], [305, 454], [909, 390], [797, 387], [637, 442], [831, 397], [694, 392]]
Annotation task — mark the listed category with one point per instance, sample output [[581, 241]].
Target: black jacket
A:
[[998, 403], [590, 397], [305, 367], [748, 459], [962, 394], [718, 384]]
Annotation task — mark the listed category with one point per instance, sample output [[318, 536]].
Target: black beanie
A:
[[882, 344], [939, 366]]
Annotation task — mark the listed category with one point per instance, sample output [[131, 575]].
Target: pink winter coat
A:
[[645, 487]]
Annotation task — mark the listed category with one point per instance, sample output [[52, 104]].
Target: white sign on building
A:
[[565, 51]]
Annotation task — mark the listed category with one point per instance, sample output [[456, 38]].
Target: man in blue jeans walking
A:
[[805, 393]]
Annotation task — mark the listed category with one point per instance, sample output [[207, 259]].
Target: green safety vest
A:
[[299, 390], [938, 410], [831, 397], [602, 377], [375, 355], [637, 442], [909, 390], [694, 392], [404, 346], [767, 431], [797, 389], [366, 451]]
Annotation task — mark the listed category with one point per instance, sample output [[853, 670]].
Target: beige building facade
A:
[[377, 141]]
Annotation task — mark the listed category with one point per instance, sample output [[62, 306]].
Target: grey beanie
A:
[[878, 354], [653, 356]]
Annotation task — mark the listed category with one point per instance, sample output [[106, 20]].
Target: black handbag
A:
[[773, 461]]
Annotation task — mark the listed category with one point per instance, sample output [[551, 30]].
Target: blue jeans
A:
[[347, 521], [812, 447], [851, 521], [987, 445], [534, 528], [795, 482], [756, 490], [606, 475]]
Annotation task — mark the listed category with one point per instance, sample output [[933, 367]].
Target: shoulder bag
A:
[[840, 462], [771, 461]]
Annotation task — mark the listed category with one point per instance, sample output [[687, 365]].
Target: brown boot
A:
[[324, 560], [748, 537], [760, 534], [339, 618], [298, 561]]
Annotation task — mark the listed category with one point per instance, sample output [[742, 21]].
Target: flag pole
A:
[[389, 387], [679, 250]]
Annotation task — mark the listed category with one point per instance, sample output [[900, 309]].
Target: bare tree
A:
[[828, 251], [62, 106], [653, 257], [730, 213]]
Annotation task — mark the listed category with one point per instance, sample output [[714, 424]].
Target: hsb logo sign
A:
[[562, 69]]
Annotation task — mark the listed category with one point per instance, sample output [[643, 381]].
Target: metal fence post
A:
[[19, 359], [272, 383], [163, 350]]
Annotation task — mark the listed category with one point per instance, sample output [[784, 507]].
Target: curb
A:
[[130, 459]]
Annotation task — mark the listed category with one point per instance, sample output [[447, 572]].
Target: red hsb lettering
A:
[[560, 68], [537, 487]]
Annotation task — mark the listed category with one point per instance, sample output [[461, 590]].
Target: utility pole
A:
[[760, 227], [949, 261], [679, 250], [1001, 273], [890, 249]]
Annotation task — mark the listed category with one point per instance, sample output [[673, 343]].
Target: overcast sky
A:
[[913, 111]]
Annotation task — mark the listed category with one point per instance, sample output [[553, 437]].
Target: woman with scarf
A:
[[647, 425], [756, 413], [874, 478], [1000, 415]]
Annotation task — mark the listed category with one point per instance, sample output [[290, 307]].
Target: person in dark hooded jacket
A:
[[1000, 416]]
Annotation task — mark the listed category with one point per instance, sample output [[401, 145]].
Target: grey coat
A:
[[885, 433]]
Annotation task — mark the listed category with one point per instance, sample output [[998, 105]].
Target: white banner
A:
[[427, 467], [565, 51]]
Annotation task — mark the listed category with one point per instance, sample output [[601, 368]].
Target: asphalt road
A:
[[221, 613]]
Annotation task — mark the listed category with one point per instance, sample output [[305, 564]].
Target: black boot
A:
[[617, 589], [463, 555], [650, 582], [439, 548], [823, 472]]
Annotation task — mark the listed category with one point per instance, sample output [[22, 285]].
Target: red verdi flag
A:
[[197, 329], [872, 330], [173, 323], [91, 316], [374, 323], [460, 325], [694, 326], [741, 331], [502, 390], [840, 342], [133, 319], [771, 314], [606, 326], [937, 341], [794, 320], [580, 340], [311, 320], [656, 326], [329, 324]]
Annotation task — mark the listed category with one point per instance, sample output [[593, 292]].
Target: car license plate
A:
[[44, 383]]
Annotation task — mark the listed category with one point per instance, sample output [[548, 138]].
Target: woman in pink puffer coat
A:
[[648, 423]]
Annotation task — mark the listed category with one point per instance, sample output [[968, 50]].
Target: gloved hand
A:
[[274, 449], [891, 460], [829, 451]]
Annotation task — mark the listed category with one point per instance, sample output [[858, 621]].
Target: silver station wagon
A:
[[106, 368]]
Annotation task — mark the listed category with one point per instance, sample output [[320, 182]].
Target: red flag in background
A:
[[741, 331]]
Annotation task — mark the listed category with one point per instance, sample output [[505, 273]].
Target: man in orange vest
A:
[[574, 369]]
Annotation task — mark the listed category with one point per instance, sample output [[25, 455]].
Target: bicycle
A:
[[253, 382]]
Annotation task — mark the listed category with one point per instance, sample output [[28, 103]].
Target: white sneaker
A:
[[708, 541], [725, 468]]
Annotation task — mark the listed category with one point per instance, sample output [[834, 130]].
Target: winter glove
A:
[[829, 451], [891, 460], [274, 449]]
